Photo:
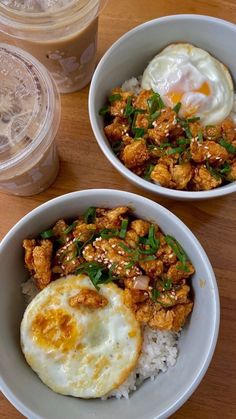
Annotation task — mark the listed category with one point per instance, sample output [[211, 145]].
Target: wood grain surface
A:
[[214, 222]]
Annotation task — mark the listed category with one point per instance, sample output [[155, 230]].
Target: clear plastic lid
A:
[[26, 105], [38, 6]]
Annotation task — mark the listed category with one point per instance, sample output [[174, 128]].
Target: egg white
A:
[[187, 74], [80, 351]]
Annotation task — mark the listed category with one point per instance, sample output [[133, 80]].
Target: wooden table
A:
[[214, 223]]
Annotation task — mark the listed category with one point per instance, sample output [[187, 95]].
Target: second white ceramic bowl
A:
[[158, 399], [130, 55]]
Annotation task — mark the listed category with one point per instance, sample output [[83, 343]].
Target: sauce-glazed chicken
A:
[[156, 144], [114, 245]]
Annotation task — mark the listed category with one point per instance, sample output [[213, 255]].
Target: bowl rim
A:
[[100, 137], [9, 394]]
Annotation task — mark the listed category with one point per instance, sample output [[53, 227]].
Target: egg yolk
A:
[[54, 329], [176, 97]]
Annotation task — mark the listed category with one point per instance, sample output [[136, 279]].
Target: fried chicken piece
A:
[[173, 297], [59, 228], [165, 252], [132, 297], [88, 298], [131, 238], [163, 126], [182, 174], [208, 151], [162, 175], [135, 154], [66, 259], [144, 312], [118, 106], [177, 274], [142, 121], [29, 246], [140, 102], [109, 251], [231, 176], [152, 268], [229, 131], [171, 319], [106, 218], [141, 227], [203, 180], [84, 232], [194, 128], [117, 129], [42, 258]]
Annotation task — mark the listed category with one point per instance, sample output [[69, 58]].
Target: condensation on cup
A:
[[62, 34], [29, 120]]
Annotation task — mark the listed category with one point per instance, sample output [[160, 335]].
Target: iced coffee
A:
[[62, 34], [29, 120]]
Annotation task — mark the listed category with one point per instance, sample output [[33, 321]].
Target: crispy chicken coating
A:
[[118, 106], [152, 268], [66, 260], [231, 176], [88, 298], [83, 232], [229, 131], [177, 273], [161, 175], [141, 227], [165, 252], [163, 126], [172, 319], [59, 228], [38, 258], [182, 174], [131, 238], [135, 154], [140, 101], [142, 121], [117, 129], [203, 180], [208, 151], [110, 218]]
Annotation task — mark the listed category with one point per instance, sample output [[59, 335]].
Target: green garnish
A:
[[194, 119], [138, 132], [70, 227], [153, 117], [229, 147], [152, 241], [164, 145], [178, 250], [155, 294], [90, 215], [212, 171], [226, 168], [114, 98], [148, 171], [126, 248], [185, 125], [47, 234], [200, 136], [177, 107], [179, 149], [123, 229], [116, 146], [146, 259], [104, 111], [97, 273], [167, 285], [183, 141], [155, 103], [107, 233], [128, 111]]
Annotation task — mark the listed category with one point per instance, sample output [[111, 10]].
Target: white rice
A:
[[132, 85], [159, 352]]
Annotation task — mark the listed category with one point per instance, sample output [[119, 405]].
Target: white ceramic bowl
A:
[[130, 55], [157, 399]]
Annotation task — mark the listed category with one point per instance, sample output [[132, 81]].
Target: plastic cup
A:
[[29, 120], [61, 34]]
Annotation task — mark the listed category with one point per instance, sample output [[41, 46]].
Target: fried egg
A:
[[80, 351], [187, 74]]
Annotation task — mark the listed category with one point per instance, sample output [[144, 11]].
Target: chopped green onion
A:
[[155, 294], [164, 145], [47, 234], [116, 146], [167, 285], [138, 132], [185, 126], [97, 273], [212, 171], [226, 168], [123, 229], [152, 241], [114, 98], [178, 250], [129, 108], [183, 141], [146, 259], [107, 233], [179, 149], [194, 119], [155, 103], [177, 107], [200, 136], [90, 215], [148, 171], [126, 248], [229, 147], [104, 111], [153, 117], [70, 228]]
